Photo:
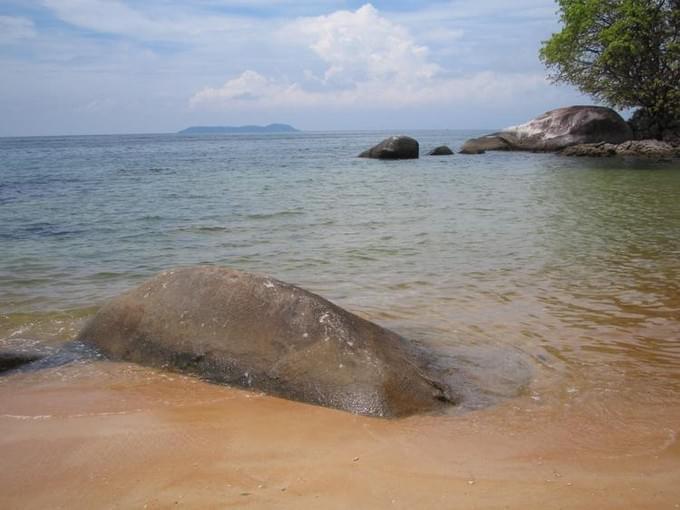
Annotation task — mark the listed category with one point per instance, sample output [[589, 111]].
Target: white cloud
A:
[[252, 90], [249, 87], [364, 46], [448, 63], [370, 61], [14, 28]]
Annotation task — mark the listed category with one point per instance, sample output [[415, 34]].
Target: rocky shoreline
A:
[[592, 131], [654, 149]]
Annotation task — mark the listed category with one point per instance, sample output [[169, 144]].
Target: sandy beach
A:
[[113, 435], [356, 255]]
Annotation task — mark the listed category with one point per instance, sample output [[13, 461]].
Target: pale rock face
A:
[[556, 130]]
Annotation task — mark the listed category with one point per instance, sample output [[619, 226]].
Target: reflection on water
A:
[[534, 274], [614, 278]]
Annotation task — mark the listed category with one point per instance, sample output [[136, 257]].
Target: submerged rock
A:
[[394, 147], [557, 129], [10, 360], [23, 354], [442, 150], [257, 332]]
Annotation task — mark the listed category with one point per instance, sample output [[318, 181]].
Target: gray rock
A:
[[648, 149], [653, 149], [471, 150], [10, 360], [24, 354], [485, 143], [558, 129], [591, 150], [257, 332], [394, 147], [442, 150]]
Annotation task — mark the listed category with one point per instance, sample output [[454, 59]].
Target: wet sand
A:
[[110, 435]]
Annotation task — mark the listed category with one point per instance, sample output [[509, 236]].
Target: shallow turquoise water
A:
[[573, 264]]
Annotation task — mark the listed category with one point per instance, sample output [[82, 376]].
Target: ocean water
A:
[[534, 274]]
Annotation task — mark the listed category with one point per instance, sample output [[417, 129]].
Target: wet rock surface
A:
[[13, 360], [257, 332], [26, 355]]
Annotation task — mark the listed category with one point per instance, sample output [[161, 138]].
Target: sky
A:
[[156, 66]]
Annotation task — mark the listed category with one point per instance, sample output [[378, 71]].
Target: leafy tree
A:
[[623, 52]]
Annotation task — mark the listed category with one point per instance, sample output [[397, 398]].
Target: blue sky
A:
[[124, 66]]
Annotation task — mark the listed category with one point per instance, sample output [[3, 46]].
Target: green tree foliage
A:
[[623, 52]]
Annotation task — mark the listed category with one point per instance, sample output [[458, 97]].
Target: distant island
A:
[[209, 130]]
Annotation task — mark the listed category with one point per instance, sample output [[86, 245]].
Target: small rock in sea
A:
[[442, 150], [471, 482], [355, 459], [394, 147]]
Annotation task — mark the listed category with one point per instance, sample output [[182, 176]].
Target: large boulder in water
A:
[[394, 147], [257, 332], [557, 129]]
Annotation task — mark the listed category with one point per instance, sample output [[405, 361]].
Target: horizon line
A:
[[299, 131]]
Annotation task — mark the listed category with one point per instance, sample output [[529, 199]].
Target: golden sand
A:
[[114, 435]]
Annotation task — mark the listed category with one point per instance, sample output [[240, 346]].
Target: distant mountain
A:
[[210, 130]]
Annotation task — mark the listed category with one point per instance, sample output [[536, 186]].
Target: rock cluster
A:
[[572, 130], [653, 149]]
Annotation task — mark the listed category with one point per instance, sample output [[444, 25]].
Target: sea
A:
[[534, 275]]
